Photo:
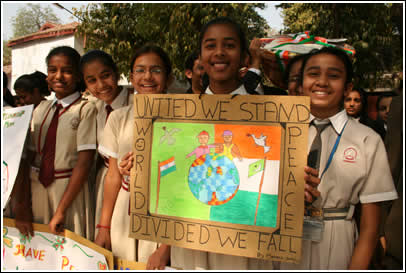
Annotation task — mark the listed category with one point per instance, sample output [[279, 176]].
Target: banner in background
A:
[[16, 122]]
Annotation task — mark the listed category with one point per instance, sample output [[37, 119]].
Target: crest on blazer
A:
[[75, 123], [350, 155]]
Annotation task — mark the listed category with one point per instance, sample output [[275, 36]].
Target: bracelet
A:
[[100, 226]]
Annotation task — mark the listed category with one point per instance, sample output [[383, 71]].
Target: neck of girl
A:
[[324, 113], [224, 87]]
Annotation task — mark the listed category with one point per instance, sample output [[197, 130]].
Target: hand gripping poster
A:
[[47, 251], [220, 173]]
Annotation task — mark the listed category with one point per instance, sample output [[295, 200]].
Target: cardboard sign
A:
[[220, 173], [16, 122], [47, 251]]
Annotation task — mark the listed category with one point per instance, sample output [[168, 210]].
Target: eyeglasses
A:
[[155, 71]]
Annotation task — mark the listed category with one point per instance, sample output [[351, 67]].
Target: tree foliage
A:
[[30, 19], [6, 53], [121, 28], [374, 30]]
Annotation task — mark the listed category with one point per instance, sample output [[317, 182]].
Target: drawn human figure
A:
[[204, 148], [228, 148]]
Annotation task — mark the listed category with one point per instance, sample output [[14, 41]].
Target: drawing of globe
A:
[[213, 179]]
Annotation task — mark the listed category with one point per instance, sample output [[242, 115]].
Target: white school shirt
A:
[[359, 172]]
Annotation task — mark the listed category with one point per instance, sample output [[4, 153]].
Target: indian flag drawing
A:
[[233, 178], [167, 166]]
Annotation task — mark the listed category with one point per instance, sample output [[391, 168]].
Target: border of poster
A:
[[282, 243]]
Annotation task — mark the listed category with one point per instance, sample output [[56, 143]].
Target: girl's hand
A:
[[126, 164], [255, 51], [103, 238], [57, 222], [312, 180], [23, 216], [159, 259]]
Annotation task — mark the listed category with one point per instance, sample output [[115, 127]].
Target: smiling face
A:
[[101, 81], [353, 104], [149, 75], [221, 57], [63, 77], [324, 80]]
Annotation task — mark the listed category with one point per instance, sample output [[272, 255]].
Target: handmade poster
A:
[[16, 122], [47, 251], [220, 173]]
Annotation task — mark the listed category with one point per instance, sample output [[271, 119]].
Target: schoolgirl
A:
[[32, 88], [61, 149], [101, 76], [150, 74], [223, 48]]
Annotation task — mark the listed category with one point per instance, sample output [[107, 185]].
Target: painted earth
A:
[[213, 179]]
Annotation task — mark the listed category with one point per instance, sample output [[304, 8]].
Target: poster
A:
[[220, 173], [16, 122], [47, 251]]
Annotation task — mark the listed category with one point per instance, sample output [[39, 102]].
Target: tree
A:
[[374, 30], [6, 53], [120, 28], [30, 19]]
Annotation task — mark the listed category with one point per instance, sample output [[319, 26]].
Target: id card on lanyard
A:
[[313, 222]]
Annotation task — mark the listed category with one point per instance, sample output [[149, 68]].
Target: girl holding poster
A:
[[150, 74], [61, 148], [223, 48]]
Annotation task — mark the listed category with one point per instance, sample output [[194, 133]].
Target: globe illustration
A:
[[213, 179]]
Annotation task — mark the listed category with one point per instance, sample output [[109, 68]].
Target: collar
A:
[[239, 91], [337, 121], [120, 100], [66, 101]]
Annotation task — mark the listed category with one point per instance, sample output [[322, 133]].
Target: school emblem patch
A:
[[75, 123], [350, 155]]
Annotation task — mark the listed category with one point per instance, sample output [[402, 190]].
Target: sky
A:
[[9, 9]]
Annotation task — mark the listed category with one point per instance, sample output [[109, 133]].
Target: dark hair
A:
[[291, 62], [333, 51], [364, 101], [158, 51], [190, 62], [226, 21], [28, 82], [7, 96], [101, 56], [5, 80], [74, 58]]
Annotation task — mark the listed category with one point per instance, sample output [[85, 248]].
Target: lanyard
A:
[[333, 151]]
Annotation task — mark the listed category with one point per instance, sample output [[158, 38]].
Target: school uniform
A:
[[124, 98], [359, 172], [189, 259], [76, 132], [117, 141]]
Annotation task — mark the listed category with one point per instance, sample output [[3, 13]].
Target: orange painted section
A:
[[246, 144]]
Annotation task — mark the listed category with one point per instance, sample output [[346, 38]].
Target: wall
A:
[[30, 56]]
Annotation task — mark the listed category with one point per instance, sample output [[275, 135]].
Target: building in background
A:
[[28, 52]]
